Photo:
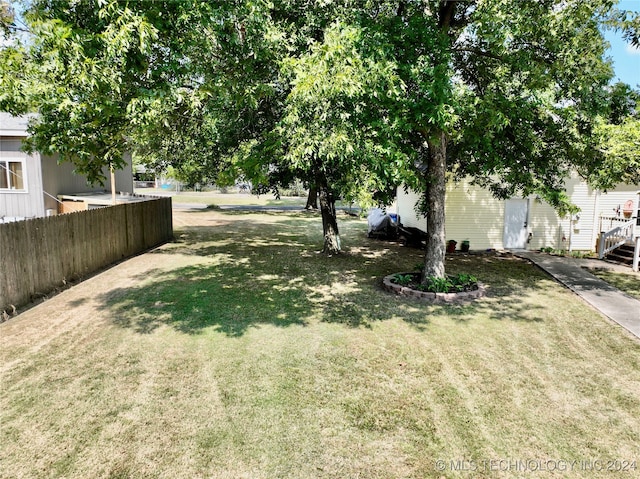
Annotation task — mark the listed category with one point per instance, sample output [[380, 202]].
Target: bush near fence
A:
[[39, 255]]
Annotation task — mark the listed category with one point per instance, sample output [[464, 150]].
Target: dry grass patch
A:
[[239, 351]]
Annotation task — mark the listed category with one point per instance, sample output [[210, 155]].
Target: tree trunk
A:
[[329, 221], [435, 195], [312, 199]]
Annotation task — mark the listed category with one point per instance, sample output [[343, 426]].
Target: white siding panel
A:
[[580, 226], [571, 232], [406, 210], [615, 199], [471, 214], [610, 201], [546, 228], [474, 214]]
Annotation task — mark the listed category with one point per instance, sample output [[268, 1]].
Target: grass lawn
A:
[[236, 199], [215, 198], [626, 282], [240, 352]]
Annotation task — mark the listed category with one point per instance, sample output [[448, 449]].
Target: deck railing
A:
[[608, 223], [620, 232]]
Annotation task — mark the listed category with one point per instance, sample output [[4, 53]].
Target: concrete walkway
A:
[[571, 272]]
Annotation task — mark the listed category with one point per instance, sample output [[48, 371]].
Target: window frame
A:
[[6, 172]]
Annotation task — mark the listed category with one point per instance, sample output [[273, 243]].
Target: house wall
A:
[[546, 228], [59, 179], [28, 203], [473, 214], [405, 207], [581, 231], [580, 227], [44, 177], [613, 202]]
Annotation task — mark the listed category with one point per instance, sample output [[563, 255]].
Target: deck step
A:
[[622, 254]]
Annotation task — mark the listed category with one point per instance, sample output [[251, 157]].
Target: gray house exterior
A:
[[31, 185]]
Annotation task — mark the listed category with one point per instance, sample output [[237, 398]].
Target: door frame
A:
[[508, 229]]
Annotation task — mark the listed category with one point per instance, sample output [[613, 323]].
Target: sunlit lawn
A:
[[626, 282], [216, 198], [239, 351]]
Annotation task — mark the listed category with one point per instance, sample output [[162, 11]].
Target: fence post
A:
[[636, 254], [601, 245]]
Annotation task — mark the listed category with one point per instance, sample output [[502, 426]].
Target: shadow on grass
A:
[[252, 274], [626, 282], [245, 285], [193, 298]]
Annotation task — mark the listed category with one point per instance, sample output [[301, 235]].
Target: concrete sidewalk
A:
[[610, 301]]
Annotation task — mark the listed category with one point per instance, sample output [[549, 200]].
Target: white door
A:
[[515, 224]]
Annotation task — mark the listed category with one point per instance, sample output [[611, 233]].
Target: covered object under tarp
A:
[[381, 224]]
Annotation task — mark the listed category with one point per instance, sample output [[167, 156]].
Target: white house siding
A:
[[615, 200], [545, 227], [473, 214], [580, 227], [28, 203], [406, 210]]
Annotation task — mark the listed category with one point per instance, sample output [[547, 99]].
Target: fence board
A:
[[39, 255]]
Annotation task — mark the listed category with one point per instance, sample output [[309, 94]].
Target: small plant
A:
[[439, 285], [582, 254], [403, 279], [464, 278], [465, 282], [419, 267], [450, 284]]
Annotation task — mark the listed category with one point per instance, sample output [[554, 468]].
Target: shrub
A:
[[439, 285], [403, 279], [450, 284]]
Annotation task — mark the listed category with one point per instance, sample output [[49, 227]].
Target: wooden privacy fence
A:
[[38, 255]]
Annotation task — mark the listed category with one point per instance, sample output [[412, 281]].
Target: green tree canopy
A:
[[353, 95]]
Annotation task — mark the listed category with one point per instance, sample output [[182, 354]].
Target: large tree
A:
[[331, 131], [504, 92], [107, 76], [508, 93], [348, 95], [80, 66], [617, 139]]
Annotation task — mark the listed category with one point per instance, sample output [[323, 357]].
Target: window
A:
[[12, 175]]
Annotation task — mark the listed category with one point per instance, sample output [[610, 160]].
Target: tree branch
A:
[[479, 52], [445, 13]]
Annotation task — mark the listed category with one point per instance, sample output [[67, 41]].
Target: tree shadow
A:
[[193, 298], [254, 275]]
